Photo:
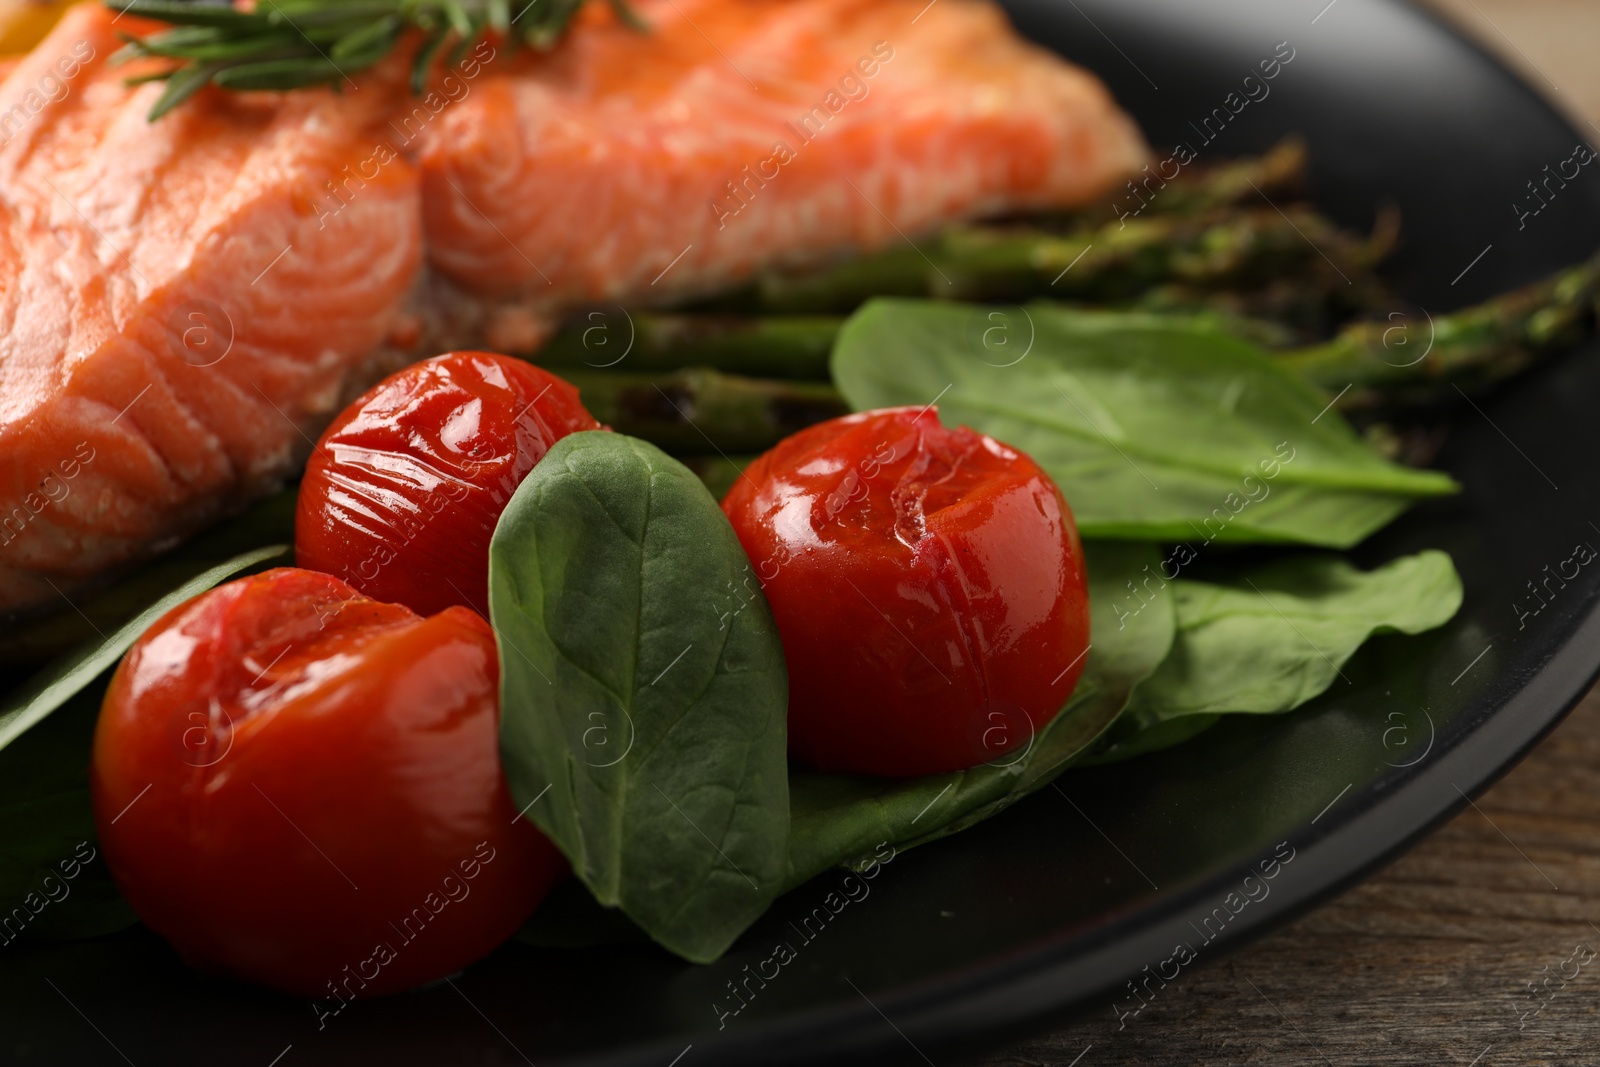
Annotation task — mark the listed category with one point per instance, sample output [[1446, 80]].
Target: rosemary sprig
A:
[[288, 44]]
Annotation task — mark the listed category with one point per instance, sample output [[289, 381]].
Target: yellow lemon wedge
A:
[[23, 23]]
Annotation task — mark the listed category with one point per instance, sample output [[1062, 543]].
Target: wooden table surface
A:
[[1476, 948]]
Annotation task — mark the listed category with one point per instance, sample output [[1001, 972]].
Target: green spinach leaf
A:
[[1155, 428], [840, 818], [1271, 637], [644, 691], [75, 671]]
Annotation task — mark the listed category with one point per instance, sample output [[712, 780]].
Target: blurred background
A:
[[1551, 42]]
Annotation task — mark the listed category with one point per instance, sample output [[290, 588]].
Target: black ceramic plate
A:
[[1057, 903]]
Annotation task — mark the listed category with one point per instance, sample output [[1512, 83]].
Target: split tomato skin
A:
[[401, 495], [299, 786], [929, 587]]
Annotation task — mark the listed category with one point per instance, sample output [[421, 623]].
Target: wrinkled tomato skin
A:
[[402, 493], [301, 787], [929, 587]]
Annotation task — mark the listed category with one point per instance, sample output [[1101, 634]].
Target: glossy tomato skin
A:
[[929, 587], [402, 493], [301, 787]]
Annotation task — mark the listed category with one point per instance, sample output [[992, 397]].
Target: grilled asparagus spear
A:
[[718, 472], [775, 346], [698, 411], [796, 347], [1405, 360], [1112, 263], [1414, 359], [1279, 175], [1371, 367]]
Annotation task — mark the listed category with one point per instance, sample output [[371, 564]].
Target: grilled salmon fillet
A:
[[174, 311], [740, 134], [186, 302]]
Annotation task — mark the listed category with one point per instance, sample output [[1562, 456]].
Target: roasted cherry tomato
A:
[[301, 787], [403, 492], [929, 588]]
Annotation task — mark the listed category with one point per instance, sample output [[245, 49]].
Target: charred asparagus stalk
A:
[[1410, 360], [1112, 263], [699, 411], [1258, 265], [779, 346], [796, 347], [1279, 174], [1240, 250], [1387, 364], [718, 472], [1285, 313]]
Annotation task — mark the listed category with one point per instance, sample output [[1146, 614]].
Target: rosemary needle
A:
[[288, 44]]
